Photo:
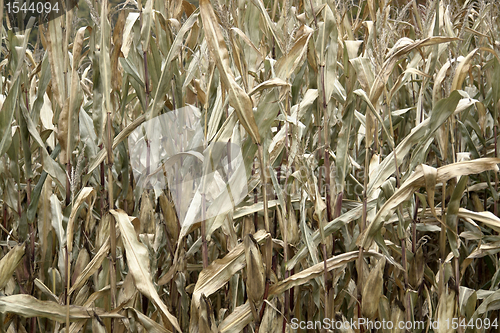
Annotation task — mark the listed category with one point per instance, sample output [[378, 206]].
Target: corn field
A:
[[251, 166]]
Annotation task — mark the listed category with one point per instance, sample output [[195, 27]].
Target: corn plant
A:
[[250, 166]]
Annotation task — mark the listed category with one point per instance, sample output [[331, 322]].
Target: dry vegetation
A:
[[370, 156]]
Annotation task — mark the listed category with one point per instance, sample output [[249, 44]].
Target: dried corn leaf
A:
[[330, 228], [206, 316], [256, 276], [9, 263], [86, 194], [49, 165], [119, 138], [81, 262], [242, 315], [138, 263], [451, 215], [220, 271], [74, 101], [269, 24], [272, 320], [237, 320], [149, 324], [92, 267], [488, 218], [6, 117], [272, 83], [286, 65], [97, 324], [238, 98], [217, 274], [170, 216], [446, 312], [372, 290], [398, 50], [317, 270], [418, 136], [28, 306], [164, 83], [417, 180], [462, 70], [54, 37]]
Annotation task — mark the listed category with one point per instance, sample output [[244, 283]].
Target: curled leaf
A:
[[138, 263]]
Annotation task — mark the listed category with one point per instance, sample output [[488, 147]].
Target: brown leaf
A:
[[149, 324], [206, 316], [242, 315], [170, 217], [417, 180], [256, 276], [417, 268], [28, 306], [271, 320], [86, 194], [286, 65], [398, 50], [62, 134], [9, 263], [272, 83], [146, 214], [372, 290], [91, 267], [238, 98], [138, 263], [217, 274], [81, 262], [446, 312]]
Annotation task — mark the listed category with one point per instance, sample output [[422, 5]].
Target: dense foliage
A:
[[367, 133]]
